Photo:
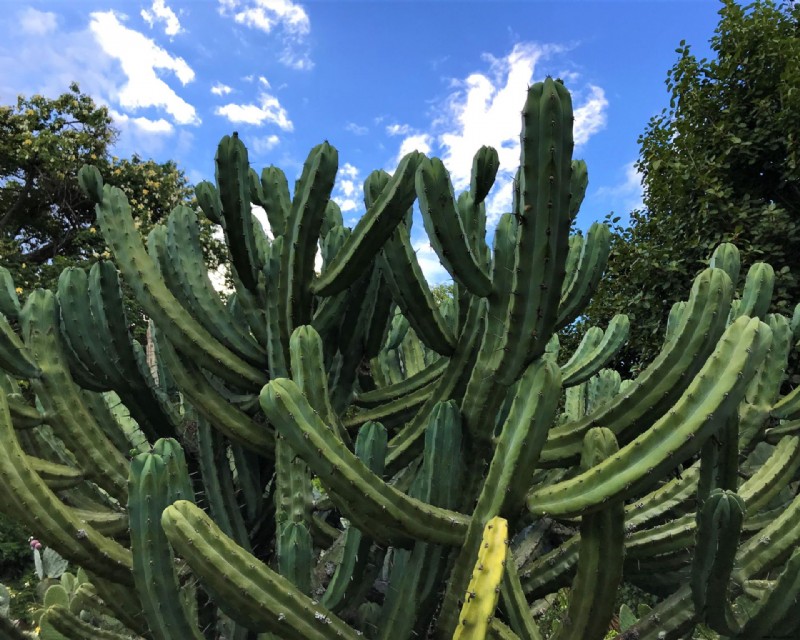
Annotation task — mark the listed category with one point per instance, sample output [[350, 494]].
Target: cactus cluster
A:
[[335, 455]]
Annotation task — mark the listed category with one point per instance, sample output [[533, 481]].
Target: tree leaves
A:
[[719, 164]]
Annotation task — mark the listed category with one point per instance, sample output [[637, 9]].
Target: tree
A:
[[719, 165], [46, 222]]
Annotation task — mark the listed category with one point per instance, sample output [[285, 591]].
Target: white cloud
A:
[[267, 15], [160, 12], [428, 261], [139, 57], [348, 192], [484, 109], [627, 194], [266, 144], [145, 125], [268, 110], [590, 117], [37, 23], [398, 129], [264, 81], [357, 129], [417, 142], [220, 89]]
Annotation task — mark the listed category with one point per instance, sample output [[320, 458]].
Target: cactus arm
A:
[[312, 194], [726, 257], [788, 407], [56, 476], [543, 236], [577, 292], [139, 271], [705, 406], [445, 229], [404, 388], [153, 562], [395, 411], [485, 165], [113, 524], [510, 472], [480, 600], [515, 604], [277, 201], [591, 339], [233, 184], [757, 292], [436, 483], [14, 357], [672, 619], [148, 407], [579, 370], [308, 371], [231, 421], [777, 608], [674, 320], [70, 626], [755, 557], [372, 230], [402, 273], [719, 524], [76, 329], [593, 592], [366, 499], [295, 550], [9, 300], [370, 448], [185, 252], [244, 587], [30, 501], [405, 444], [95, 454], [213, 468], [657, 388], [380, 316], [209, 201], [293, 484], [24, 415], [484, 393]]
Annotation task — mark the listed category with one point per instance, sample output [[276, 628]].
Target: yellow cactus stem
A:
[[480, 601]]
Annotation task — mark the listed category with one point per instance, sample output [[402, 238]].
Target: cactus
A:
[[327, 455]]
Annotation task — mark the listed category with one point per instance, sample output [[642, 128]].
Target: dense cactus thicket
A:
[[335, 455]]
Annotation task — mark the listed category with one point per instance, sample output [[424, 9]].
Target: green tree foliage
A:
[[720, 164], [46, 223]]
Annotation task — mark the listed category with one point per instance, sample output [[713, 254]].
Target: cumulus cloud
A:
[[37, 23], [357, 129], [416, 142], [160, 12], [398, 129], [484, 109], [220, 89], [348, 192], [139, 58], [145, 125], [268, 110], [285, 16], [590, 117], [265, 144]]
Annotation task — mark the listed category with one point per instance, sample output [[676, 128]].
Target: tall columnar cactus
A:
[[327, 455]]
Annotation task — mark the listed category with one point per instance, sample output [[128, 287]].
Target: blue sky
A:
[[374, 78]]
